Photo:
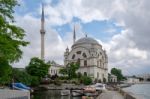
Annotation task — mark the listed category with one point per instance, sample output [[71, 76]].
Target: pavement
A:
[[14, 94], [110, 95]]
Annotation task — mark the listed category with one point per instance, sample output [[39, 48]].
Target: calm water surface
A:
[[51, 94], [142, 90]]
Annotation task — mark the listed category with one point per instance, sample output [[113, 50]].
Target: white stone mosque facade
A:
[[91, 57]]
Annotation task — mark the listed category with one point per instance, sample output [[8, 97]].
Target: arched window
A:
[[85, 73], [97, 74], [100, 63], [85, 62], [84, 55], [100, 53], [78, 52], [78, 61], [73, 56]]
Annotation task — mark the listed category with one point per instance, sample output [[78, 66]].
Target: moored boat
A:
[[100, 87], [65, 92], [20, 86], [76, 93]]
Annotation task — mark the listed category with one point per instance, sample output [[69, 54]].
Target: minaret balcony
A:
[[42, 31]]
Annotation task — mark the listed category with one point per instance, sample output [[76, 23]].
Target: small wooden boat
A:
[[76, 93], [65, 92], [89, 89]]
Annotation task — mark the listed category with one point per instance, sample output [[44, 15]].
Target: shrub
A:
[[57, 82], [99, 81], [35, 81], [22, 76], [86, 80]]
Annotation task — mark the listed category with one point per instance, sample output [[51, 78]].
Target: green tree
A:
[[11, 36], [21, 76], [63, 71], [86, 80], [5, 72], [70, 70], [37, 67], [118, 73], [25, 78]]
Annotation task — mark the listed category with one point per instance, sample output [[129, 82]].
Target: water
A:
[[142, 90], [51, 94]]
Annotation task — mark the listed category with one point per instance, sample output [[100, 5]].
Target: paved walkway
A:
[[14, 94], [110, 95]]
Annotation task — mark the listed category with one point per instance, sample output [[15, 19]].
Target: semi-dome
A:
[[86, 40]]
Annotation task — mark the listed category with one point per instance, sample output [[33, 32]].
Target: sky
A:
[[120, 26]]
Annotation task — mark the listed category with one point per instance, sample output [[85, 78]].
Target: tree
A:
[[11, 36], [25, 78], [63, 71], [5, 72], [86, 80], [21, 76], [37, 67], [70, 70], [118, 73]]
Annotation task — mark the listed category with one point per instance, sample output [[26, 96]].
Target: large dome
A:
[[86, 40]]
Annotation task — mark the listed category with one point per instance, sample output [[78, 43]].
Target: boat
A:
[[20, 86], [76, 93], [90, 91], [65, 92], [100, 87], [124, 85]]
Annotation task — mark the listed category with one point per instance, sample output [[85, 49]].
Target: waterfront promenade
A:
[[14, 94], [110, 95]]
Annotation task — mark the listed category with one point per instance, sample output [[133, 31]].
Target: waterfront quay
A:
[[110, 95], [14, 94]]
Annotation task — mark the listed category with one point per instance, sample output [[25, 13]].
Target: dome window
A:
[[78, 52], [84, 55]]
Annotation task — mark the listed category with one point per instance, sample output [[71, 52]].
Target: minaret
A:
[[74, 35], [42, 31]]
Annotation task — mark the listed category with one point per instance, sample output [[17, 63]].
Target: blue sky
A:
[[102, 30], [113, 23]]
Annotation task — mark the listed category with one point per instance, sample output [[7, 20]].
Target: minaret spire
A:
[[42, 31], [74, 35]]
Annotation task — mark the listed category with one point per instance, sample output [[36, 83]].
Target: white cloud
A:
[[125, 49]]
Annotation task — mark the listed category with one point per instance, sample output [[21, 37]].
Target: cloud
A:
[[54, 45], [127, 50]]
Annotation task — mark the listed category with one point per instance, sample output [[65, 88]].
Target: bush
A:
[[21, 76], [63, 77], [75, 81], [35, 81], [99, 81], [86, 80], [96, 80], [57, 82], [25, 78]]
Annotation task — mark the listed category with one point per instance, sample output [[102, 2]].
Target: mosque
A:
[[90, 55]]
